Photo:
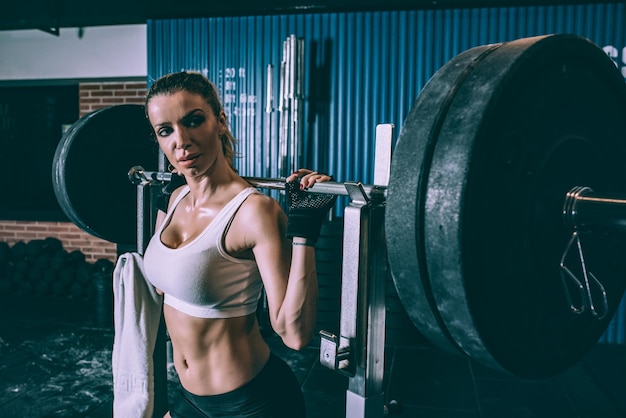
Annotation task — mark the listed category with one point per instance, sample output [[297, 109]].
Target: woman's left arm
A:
[[287, 266], [289, 276]]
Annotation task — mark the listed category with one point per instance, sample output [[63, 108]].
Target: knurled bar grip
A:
[[138, 175]]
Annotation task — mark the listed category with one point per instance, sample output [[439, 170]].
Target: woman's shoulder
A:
[[261, 210], [176, 193], [258, 202], [259, 218]]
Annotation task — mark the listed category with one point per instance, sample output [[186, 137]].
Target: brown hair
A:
[[198, 84]]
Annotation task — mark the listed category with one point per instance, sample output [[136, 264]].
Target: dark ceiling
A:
[[51, 15]]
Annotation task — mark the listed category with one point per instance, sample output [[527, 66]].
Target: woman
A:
[[220, 242]]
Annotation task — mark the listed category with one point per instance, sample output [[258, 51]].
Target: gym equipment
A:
[[499, 216], [95, 154], [493, 144]]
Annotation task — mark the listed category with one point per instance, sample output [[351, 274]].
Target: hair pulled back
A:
[[195, 83]]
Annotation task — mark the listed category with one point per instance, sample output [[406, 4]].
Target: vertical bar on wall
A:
[[298, 102], [283, 124], [291, 105], [269, 109]]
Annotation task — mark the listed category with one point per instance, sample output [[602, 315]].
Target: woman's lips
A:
[[188, 161]]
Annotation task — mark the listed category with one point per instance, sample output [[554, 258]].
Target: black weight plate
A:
[[535, 118], [90, 170], [404, 216]]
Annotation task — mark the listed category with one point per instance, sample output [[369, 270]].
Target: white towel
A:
[[137, 314]]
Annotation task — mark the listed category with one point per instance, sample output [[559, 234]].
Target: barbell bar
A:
[[583, 208], [495, 169], [137, 174]]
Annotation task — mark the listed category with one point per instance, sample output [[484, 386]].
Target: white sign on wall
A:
[[88, 53]]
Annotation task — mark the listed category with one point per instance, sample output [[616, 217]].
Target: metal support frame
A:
[[363, 304], [359, 350], [146, 215]]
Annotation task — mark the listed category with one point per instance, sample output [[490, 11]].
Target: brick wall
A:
[[72, 237], [95, 96], [92, 96]]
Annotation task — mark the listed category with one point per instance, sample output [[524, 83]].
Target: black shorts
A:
[[273, 393]]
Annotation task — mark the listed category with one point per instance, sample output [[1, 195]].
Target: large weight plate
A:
[[535, 118], [539, 116], [404, 216], [90, 170]]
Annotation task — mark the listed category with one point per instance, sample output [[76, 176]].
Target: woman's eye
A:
[[164, 132], [196, 121]]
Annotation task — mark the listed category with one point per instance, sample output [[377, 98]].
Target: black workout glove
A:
[[306, 211]]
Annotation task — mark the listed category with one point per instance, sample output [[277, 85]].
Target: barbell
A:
[[504, 208]]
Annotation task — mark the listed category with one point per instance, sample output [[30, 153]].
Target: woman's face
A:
[[187, 131]]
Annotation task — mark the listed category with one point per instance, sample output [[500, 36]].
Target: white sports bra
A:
[[200, 278]]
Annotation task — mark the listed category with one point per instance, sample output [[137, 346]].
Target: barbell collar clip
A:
[[583, 286]]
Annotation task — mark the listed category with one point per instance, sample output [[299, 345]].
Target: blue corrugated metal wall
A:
[[360, 69]]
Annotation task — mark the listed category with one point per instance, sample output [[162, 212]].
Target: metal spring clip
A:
[[584, 286]]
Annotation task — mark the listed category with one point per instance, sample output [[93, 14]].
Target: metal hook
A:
[[584, 287]]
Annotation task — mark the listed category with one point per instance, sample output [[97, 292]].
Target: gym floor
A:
[[55, 363]]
